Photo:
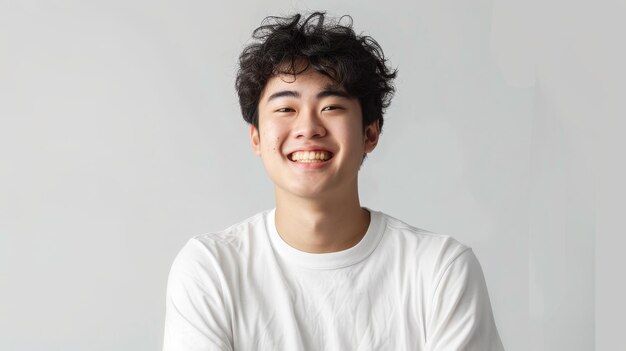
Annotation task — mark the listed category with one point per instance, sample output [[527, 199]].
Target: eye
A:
[[332, 107], [284, 110]]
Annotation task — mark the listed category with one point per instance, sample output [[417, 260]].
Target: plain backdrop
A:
[[121, 138]]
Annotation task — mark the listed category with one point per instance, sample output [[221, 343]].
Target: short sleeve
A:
[[195, 316], [460, 316]]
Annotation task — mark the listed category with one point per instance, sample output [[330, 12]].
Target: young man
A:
[[320, 272]]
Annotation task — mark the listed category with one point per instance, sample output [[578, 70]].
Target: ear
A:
[[255, 140], [370, 138]]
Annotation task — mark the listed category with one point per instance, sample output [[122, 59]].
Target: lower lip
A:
[[311, 165]]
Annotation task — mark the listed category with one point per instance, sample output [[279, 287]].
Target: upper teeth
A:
[[310, 155]]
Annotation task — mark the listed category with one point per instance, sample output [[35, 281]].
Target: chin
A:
[[305, 192]]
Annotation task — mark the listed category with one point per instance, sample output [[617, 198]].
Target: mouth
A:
[[313, 156]]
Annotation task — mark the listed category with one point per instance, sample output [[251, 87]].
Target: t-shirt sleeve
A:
[[195, 314], [460, 315]]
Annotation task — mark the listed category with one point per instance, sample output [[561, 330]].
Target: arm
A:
[[460, 316], [195, 317]]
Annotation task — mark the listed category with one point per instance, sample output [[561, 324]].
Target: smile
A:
[[310, 156]]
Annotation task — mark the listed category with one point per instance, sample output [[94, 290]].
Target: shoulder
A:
[[443, 248], [235, 235], [431, 254], [212, 250]]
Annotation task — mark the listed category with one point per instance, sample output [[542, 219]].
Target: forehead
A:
[[309, 81]]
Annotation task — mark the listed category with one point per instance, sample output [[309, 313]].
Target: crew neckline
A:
[[329, 260]]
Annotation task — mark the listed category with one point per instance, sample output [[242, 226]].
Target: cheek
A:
[[273, 141], [351, 133]]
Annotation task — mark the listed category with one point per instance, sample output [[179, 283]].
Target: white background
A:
[[121, 137]]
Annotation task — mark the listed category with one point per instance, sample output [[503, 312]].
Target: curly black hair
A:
[[355, 62]]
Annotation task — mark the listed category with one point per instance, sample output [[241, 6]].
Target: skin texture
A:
[[317, 205]]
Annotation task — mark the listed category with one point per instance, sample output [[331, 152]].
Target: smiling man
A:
[[319, 271]]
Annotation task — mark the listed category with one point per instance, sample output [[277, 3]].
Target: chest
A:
[[357, 308]]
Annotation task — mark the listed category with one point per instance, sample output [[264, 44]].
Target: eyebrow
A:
[[328, 91], [332, 92], [283, 93]]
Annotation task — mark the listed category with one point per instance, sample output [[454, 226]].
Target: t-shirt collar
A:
[[331, 260]]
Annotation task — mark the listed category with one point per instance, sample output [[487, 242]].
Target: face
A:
[[310, 136]]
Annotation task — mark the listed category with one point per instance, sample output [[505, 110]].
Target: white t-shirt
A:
[[399, 288]]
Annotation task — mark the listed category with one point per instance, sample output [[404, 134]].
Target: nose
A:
[[308, 125]]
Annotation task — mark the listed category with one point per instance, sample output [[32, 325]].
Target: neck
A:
[[321, 225]]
